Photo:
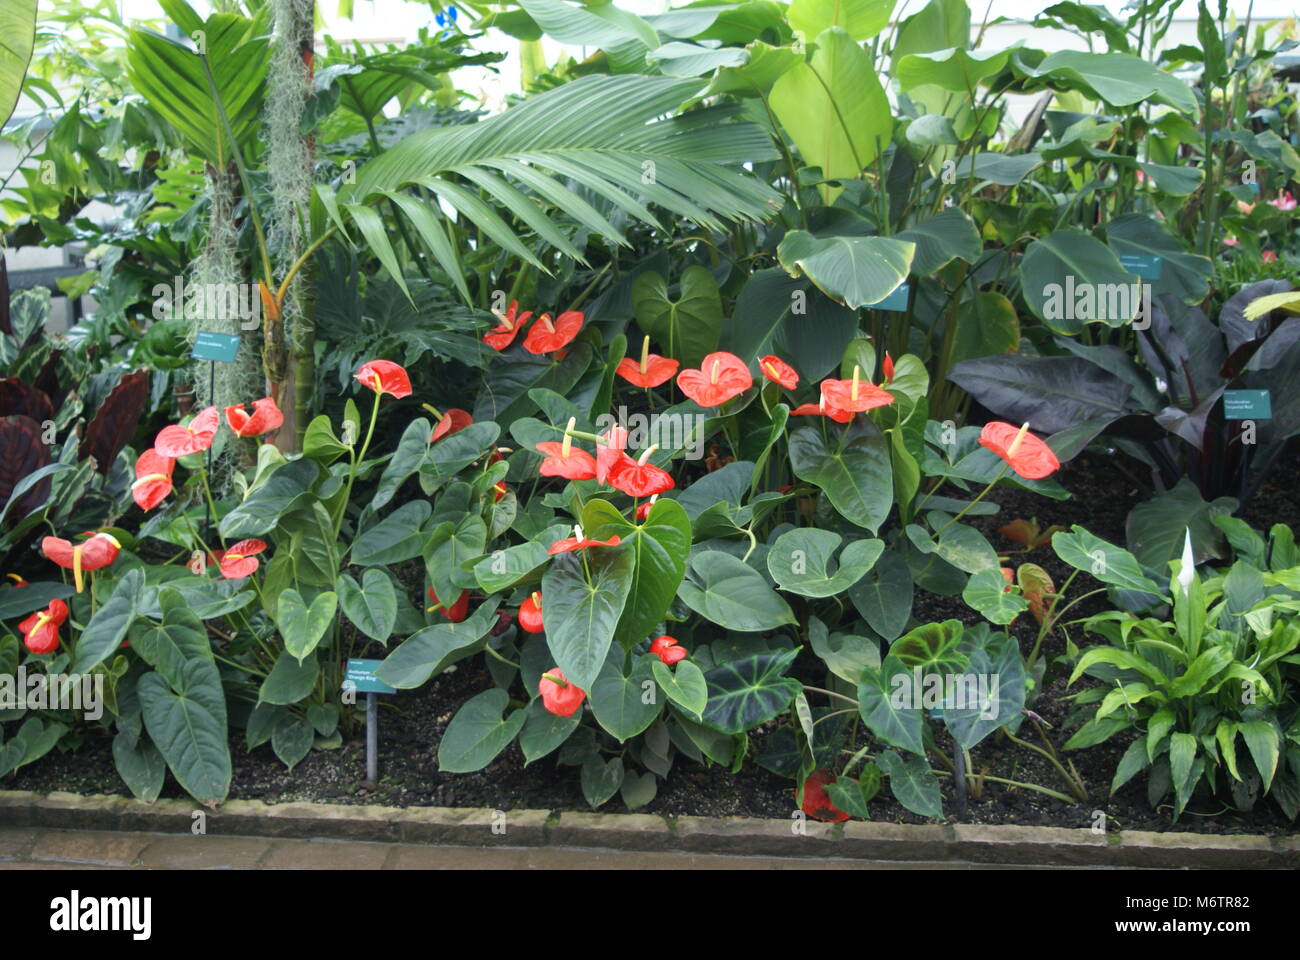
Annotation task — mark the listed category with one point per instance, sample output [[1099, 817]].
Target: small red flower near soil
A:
[[559, 696], [816, 802], [457, 612]]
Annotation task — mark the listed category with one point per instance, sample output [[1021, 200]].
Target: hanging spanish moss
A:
[[289, 160], [218, 275]]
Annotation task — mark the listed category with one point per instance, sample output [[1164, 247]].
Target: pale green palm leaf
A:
[[607, 141]]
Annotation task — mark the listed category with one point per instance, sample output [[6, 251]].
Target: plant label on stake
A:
[[1247, 405], [360, 677], [1145, 266], [214, 348], [895, 301]]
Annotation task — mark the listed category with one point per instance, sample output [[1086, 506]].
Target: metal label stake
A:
[[360, 677]]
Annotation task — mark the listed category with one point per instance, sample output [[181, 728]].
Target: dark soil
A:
[[413, 722]]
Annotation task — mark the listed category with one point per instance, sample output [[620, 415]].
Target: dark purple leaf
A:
[[116, 421]]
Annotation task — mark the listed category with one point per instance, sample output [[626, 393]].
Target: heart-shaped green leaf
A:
[[303, 627], [372, 606], [478, 732]]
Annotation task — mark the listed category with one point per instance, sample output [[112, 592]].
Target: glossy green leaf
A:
[[732, 594], [852, 467], [188, 725], [747, 692], [372, 605], [478, 732], [802, 561]]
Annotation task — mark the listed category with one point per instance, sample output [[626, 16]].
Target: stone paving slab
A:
[[27, 849], [742, 837]]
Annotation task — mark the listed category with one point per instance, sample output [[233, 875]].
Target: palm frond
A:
[[612, 137]]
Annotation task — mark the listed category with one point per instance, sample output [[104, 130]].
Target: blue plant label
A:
[[361, 677], [1146, 267], [1247, 405], [896, 301], [220, 347]]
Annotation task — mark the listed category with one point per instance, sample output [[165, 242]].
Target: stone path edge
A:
[[737, 836]]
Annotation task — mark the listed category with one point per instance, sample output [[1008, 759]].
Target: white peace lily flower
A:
[[1189, 562]]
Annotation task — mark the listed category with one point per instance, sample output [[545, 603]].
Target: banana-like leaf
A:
[[585, 148], [17, 34], [171, 77]]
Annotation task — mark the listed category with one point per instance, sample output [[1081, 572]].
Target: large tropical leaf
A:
[[17, 34], [598, 143], [171, 76]]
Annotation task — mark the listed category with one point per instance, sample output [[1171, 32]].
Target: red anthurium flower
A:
[[778, 371], [822, 409], [499, 490], [266, 416], [721, 376], [579, 542], [887, 368], [153, 479], [668, 650], [507, 328], [530, 613], [547, 336], [574, 465], [651, 371], [609, 454], [559, 696], [18, 581], [457, 612], [566, 460], [196, 436], [453, 421], [384, 376], [638, 478], [1268, 256], [40, 631], [643, 511], [99, 551], [856, 394], [816, 802], [1027, 455], [238, 561]]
